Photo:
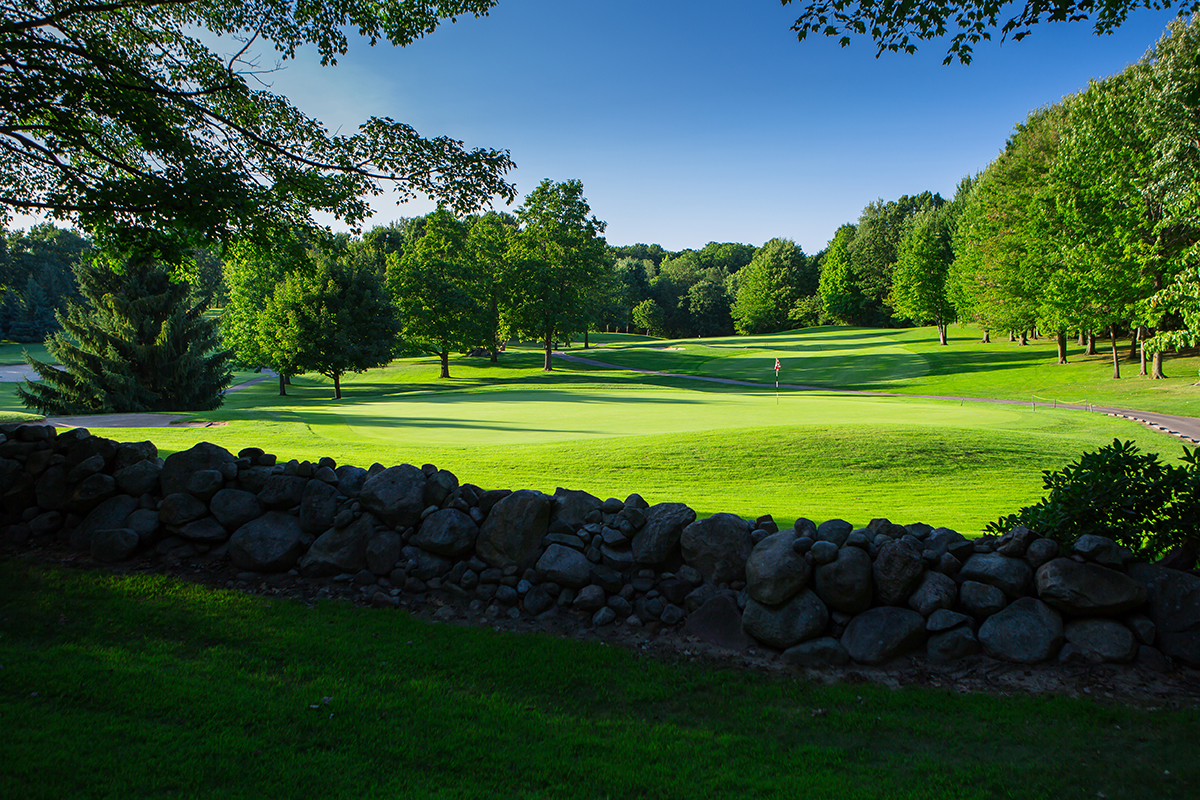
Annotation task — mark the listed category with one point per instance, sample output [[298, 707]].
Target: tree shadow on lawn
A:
[[378, 422]]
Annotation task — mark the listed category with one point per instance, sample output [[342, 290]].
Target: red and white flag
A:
[[777, 365]]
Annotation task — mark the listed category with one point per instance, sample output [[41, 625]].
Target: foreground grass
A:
[[910, 361], [143, 686]]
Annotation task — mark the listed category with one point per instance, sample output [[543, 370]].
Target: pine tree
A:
[[137, 342]]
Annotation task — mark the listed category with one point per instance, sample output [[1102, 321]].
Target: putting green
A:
[[512, 417]]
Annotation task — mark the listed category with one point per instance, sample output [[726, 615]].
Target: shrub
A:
[[1118, 492]]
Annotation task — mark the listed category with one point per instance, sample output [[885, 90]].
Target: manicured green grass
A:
[[143, 686], [14, 352], [912, 362]]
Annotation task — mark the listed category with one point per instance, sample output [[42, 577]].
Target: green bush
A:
[[1130, 497]]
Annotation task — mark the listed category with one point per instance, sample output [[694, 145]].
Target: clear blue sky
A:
[[706, 120]]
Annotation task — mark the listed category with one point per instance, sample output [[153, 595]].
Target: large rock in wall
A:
[[822, 594]]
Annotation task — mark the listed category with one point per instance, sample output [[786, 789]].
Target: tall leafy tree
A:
[[770, 286], [333, 320], [841, 299], [121, 117], [138, 341], [252, 270], [38, 267], [488, 243], [558, 260], [919, 279], [437, 289]]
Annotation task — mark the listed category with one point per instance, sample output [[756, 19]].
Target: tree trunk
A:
[[287, 379], [444, 357], [1082, 338], [1115, 355], [282, 385], [337, 386], [585, 338], [548, 366], [1091, 344], [1024, 338], [1134, 338], [1062, 345], [1156, 370], [492, 355], [987, 336], [1012, 337], [1141, 334], [941, 326]]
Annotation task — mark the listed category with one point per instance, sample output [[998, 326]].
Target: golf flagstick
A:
[[777, 381]]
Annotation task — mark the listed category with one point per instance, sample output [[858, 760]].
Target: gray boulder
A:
[[564, 566], [823, 652], [113, 513], [283, 491], [1099, 549], [659, 536], [1102, 641], [801, 618], [233, 508], [91, 491], [270, 543], [439, 486], [448, 532], [180, 508], [571, 508], [980, 600], [834, 530], [897, 570], [846, 584], [1174, 606], [1027, 631], [339, 550], [113, 544], [350, 480], [1040, 551], [383, 551], [179, 466], [935, 591], [945, 620], [396, 495], [946, 646], [318, 506], [774, 571], [144, 522], [1015, 542], [204, 484], [1087, 589], [140, 478], [425, 565], [718, 546], [1010, 575], [206, 531], [880, 634], [717, 621], [51, 490], [513, 531]]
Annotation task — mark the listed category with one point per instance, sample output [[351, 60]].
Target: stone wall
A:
[[822, 594]]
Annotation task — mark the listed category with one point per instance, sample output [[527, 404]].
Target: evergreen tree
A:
[[137, 342]]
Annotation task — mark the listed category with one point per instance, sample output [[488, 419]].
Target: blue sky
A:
[[706, 120]]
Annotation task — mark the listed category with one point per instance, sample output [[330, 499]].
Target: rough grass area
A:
[[143, 686]]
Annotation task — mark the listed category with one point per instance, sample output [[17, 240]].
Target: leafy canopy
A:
[[118, 115], [898, 26]]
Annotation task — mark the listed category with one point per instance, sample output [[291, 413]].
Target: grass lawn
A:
[[910, 361], [143, 686], [14, 352]]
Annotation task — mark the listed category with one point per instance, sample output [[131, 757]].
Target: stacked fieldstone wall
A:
[[822, 594]]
